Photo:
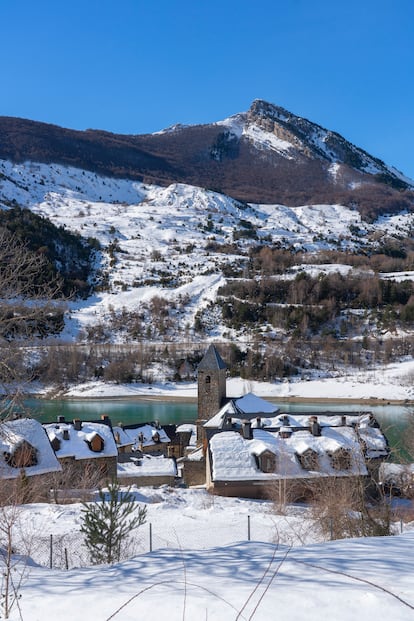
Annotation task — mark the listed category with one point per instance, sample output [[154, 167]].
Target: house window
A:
[[309, 459], [96, 443], [23, 456], [340, 459], [266, 462]]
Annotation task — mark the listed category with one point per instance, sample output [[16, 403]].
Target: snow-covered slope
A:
[[203, 567], [175, 242]]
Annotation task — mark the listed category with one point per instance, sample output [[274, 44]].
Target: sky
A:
[[138, 66]]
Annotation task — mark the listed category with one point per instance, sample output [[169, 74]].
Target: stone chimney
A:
[[247, 430], [314, 426], [77, 424]]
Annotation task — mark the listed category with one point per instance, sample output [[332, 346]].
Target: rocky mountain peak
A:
[[263, 109], [314, 141]]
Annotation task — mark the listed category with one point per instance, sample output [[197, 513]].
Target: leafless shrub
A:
[[341, 509], [120, 371], [284, 492], [74, 483]]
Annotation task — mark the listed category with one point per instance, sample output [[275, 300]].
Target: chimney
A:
[[258, 422], [65, 434], [247, 430], [77, 424], [343, 420], [314, 426], [61, 419], [227, 424], [105, 419]]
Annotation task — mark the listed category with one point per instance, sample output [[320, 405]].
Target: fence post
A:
[[248, 528], [150, 537], [66, 559], [51, 552]]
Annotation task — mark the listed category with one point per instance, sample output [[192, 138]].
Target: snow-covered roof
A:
[[234, 457], [265, 415], [398, 476], [217, 420], [12, 434], [186, 428], [77, 443], [147, 466], [252, 405], [151, 435], [373, 438]]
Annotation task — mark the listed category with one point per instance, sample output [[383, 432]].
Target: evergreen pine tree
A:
[[107, 523]]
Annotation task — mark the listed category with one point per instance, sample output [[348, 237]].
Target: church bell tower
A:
[[211, 379]]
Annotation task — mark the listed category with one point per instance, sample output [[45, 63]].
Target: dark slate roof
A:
[[212, 361]]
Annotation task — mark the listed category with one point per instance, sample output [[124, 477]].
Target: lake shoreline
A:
[[272, 398]]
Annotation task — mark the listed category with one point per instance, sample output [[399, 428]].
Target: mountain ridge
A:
[[265, 155]]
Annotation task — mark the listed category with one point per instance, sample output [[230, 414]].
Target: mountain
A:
[[265, 155], [309, 279]]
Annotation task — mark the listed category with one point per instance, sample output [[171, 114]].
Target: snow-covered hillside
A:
[[174, 243], [203, 567]]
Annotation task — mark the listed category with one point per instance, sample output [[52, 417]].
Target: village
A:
[[242, 447]]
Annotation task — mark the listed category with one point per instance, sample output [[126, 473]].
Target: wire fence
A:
[[68, 551]]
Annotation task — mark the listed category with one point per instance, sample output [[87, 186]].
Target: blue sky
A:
[[137, 66]]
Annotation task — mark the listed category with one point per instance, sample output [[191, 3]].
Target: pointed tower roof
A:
[[212, 361]]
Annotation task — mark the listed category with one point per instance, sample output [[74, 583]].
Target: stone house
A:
[[151, 438], [267, 452], [27, 461], [86, 450], [148, 438]]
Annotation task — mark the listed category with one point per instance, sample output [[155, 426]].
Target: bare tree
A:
[[15, 547], [29, 307], [9, 516]]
